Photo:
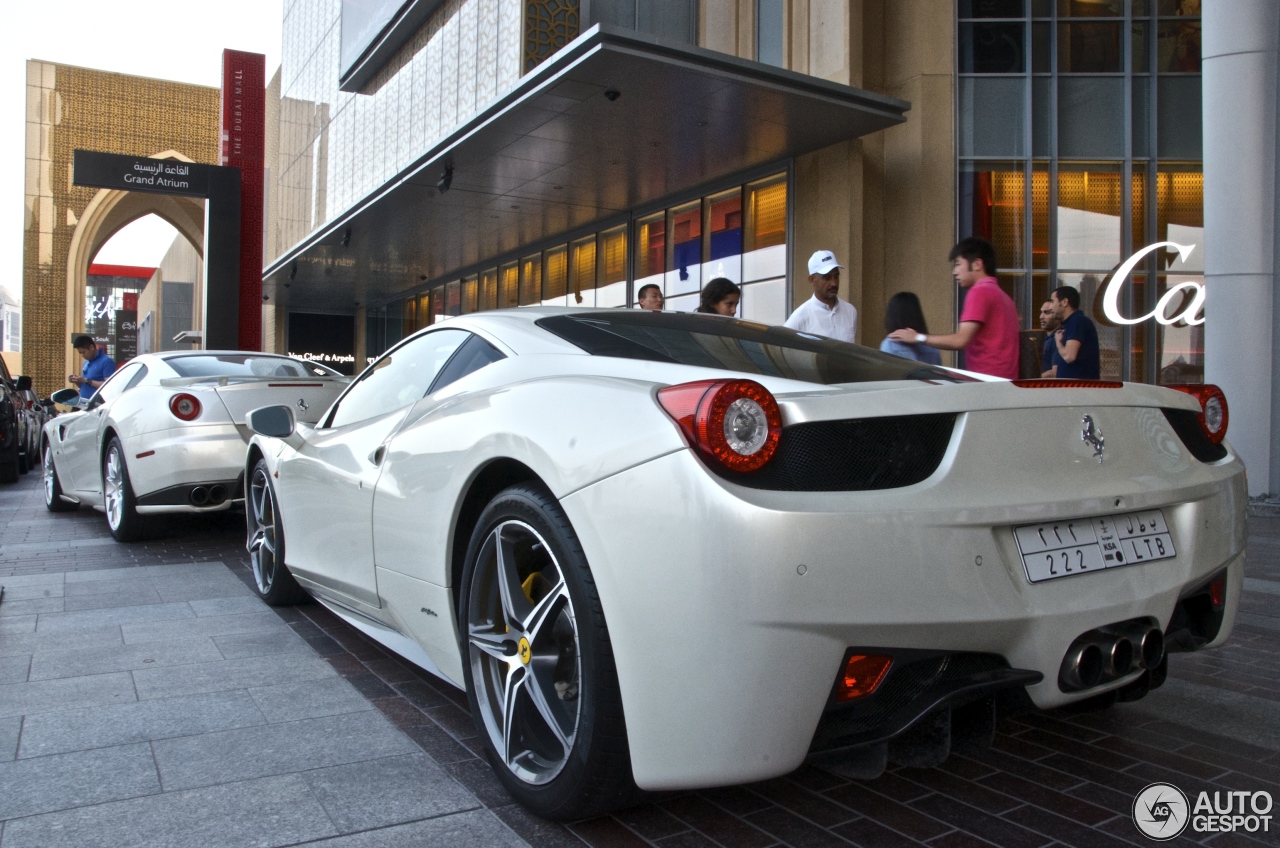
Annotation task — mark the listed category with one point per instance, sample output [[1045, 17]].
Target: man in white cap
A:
[[825, 314]]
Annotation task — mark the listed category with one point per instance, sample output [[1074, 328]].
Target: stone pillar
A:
[[1240, 39]]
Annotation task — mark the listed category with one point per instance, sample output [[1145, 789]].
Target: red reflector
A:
[[862, 674], [1068, 384], [1218, 591], [146, 454]]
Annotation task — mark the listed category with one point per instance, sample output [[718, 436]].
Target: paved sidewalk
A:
[[146, 697]]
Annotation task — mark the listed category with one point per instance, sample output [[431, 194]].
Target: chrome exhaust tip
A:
[[1083, 666], [1120, 657], [1152, 648], [199, 496]]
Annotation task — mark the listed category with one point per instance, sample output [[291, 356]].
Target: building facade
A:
[[71, 108]]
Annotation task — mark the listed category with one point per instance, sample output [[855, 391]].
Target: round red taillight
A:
[[185, 407], [1213, 415], [735, 423]]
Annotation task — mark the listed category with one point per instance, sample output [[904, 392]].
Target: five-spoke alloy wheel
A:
[[52, 486], [271, 578], [117, 496], [540, 672]]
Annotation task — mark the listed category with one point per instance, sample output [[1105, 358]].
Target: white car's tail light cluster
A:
[[185, 407], [1213, 417], [734, 423]]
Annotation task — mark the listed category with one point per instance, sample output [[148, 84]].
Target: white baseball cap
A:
[[822, 262]]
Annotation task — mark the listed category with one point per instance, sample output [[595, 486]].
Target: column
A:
[[1240, 39]]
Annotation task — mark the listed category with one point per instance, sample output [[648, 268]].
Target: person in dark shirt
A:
[[1048, 324], [1076, 356]]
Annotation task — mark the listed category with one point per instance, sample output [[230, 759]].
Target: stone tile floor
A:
[[146, 697]]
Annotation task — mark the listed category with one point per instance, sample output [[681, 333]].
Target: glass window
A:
[[245, 365], [488, 290], [398, 379], [1040, 215], [612, 267], [1041, 58], [1111, 349], [582, 272], [453, 298], [992, 48], [651, 245], [531, 280], [1090, 8], [1181, 353], [765, 255], [509, 286], [686, 250], [1178, 47], [992, 8], [474, 354], [1088, 216], [115, 385], [1093, 47], [1178, 117], [137, 378], [690, 339], [1091, 117], [555, 277], [992, 206], [770, 32], [470, 294], [992, 116]]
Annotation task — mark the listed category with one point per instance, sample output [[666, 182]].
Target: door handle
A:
[[376, 456]]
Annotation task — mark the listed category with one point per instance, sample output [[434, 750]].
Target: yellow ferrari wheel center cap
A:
[[525, 652]]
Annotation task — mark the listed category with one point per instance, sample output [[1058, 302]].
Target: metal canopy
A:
[[561, 152]]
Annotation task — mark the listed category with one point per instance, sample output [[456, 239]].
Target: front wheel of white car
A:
[[271, 578], [118, 499], [539, 667]]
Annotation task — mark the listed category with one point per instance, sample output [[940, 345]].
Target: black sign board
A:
[[328, 339], [140, 173], [218, 183], [126, 335]]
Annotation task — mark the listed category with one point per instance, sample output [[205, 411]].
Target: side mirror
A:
[[22, 383], [274, 421], [66, 397]]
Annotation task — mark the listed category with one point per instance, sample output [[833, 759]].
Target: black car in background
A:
[[21, 418]]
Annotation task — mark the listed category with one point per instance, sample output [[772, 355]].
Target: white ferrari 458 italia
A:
[[165, 433], [662, 551]]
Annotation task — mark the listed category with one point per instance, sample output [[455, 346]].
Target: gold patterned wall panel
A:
[[548, 26], [70, 108]]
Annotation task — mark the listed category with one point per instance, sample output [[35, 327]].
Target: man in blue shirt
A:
[[96, 369], [1077, 356]]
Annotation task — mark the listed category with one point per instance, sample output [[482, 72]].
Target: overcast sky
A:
[[178, 40]]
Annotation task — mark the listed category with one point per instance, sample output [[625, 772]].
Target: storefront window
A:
[[531, 280], [509, 286], [582, 272], [686, 252], [470, 294], [488, 290], [1096, 197], [612, 277], [555, 277]]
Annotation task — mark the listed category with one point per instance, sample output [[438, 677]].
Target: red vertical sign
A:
[[242, 120]]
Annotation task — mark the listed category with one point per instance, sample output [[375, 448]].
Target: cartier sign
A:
[[1194, 312]]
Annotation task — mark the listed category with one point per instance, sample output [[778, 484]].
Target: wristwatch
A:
[[920, 338]]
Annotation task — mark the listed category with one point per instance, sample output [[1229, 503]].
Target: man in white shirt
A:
[[825, 314]]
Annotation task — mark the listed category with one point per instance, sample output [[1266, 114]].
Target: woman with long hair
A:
[[720, 297], [902, 312]]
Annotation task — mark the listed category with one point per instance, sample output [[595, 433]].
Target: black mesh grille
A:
[[881, 713], [1187, 425], [855, 455]]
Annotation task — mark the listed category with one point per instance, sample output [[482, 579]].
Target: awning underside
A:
[[557, 154]]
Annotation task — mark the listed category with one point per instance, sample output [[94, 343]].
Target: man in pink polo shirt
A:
[[988, 330]]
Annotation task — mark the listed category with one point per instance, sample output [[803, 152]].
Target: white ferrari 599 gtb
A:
[[165, 433], [665, 551]]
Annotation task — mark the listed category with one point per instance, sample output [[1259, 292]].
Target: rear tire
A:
[[539, 667], [117, 496], [52, 486], [271, 578]]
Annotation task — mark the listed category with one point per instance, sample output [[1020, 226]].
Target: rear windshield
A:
[[711, 341], [246, 365]]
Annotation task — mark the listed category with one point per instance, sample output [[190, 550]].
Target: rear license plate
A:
[[1079, 546]]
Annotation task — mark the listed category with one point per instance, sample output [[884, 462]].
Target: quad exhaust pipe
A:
[[1109, 653]]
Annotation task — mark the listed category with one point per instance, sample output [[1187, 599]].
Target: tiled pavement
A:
[[147, 698]]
